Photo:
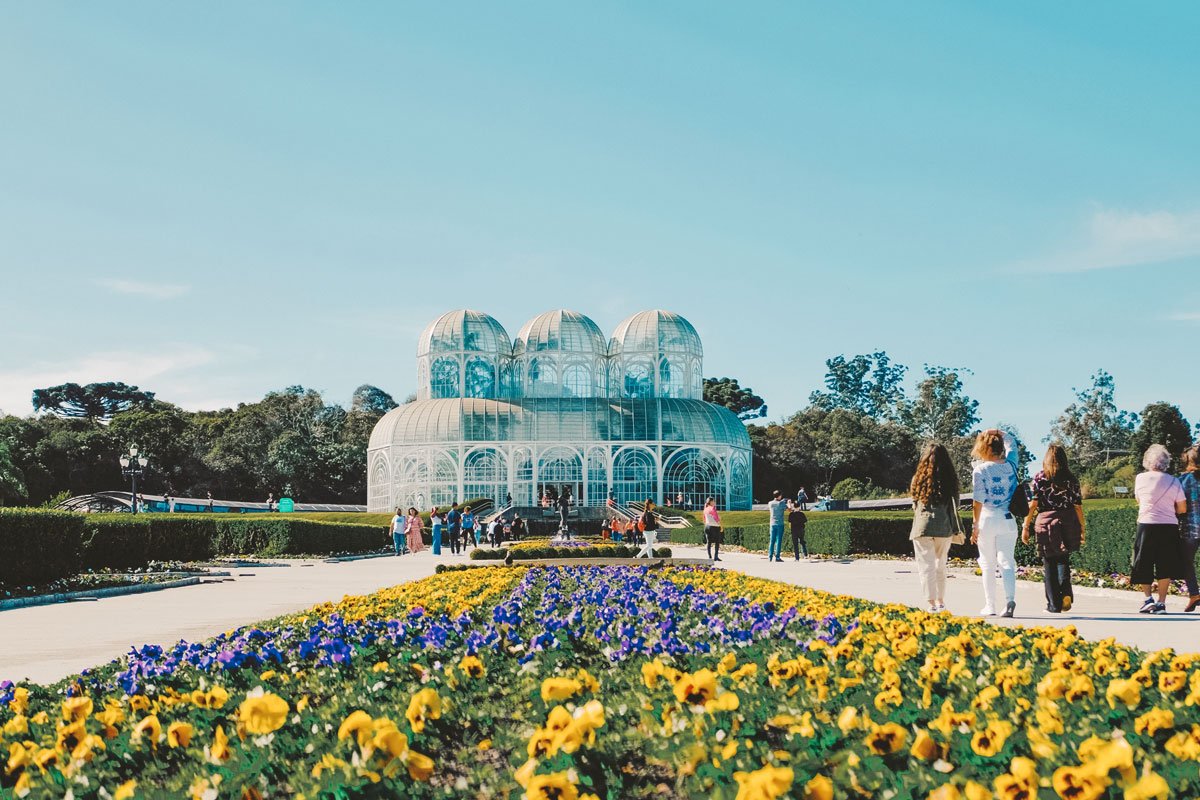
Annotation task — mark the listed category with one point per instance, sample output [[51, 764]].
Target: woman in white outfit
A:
[[649, 526], [993, 482], [935, 521]]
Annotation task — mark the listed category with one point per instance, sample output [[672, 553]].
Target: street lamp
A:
[[132, 466]]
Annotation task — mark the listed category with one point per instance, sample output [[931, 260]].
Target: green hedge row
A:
[[40, 546], [1110, 534]]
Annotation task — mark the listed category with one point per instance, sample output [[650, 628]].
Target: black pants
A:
[[455, 542], [1056, 575], [712, 541], [799, 545]]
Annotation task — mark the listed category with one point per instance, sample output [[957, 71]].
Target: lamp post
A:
[[132, 466]]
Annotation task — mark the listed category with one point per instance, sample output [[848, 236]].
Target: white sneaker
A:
[[987, 612]]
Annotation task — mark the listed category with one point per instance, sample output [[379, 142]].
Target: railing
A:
[[664, 520]]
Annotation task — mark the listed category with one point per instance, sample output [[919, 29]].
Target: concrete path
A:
[[1098, 613], [47, 643]]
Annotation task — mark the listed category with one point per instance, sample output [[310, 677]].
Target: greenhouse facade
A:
[[559, 409]]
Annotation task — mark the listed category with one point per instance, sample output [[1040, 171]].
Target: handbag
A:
[[1018, 506], [958, 537]]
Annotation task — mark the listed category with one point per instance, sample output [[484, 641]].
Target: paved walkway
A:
[[1098, 613], [46, 643]]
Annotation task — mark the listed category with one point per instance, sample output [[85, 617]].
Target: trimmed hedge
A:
[[41, 546], [1110, 533]]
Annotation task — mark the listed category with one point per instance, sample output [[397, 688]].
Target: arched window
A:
[[444, 378], [638, 381], [543, 378], [577, 381], [485, 474], [672, 379], [481, 378], [692, 475], [443, 488], [739, 483], [635, 476], [562, 470], [597, 477], [523, 489]]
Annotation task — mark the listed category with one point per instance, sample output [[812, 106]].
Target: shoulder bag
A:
[[1018, 506]]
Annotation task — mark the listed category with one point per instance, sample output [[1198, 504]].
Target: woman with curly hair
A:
[[1056, 515], [935, 521]]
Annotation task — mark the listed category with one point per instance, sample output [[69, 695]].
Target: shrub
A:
[[38, 546]]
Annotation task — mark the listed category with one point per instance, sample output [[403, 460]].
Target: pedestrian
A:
[[679, 501], [1056, 515], [414, 531], [712, 529], [936, 525], [436, 521], [508, 500], [994, 481], [469, 529], [798, 521], [170, 504], [399, 543], [210, 502], [778, 509], [802, 499], [649, 527], [605, 530], [497, 531], [618, 529], [454, 528], [1158, 546], [1191, 523], [518, 528], [271, 503]]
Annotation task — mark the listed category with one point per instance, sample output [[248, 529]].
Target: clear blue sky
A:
[[217, 200]]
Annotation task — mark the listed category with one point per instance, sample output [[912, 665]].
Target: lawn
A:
[[616, 682]]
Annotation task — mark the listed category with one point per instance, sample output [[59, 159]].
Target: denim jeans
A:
[[775, 547], [1189, 564], [437, 539], [1056, 575], [399, 542]]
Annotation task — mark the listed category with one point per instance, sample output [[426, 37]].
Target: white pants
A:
[[997, 540], [651, 538], [932, 554]]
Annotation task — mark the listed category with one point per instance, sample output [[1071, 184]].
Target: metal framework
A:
[[560, 407]]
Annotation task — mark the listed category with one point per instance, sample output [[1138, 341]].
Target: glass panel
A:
[[693, 475], [577, 381], [635, 476], [444, 379], [481, 378]]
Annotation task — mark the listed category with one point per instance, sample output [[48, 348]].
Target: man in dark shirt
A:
[[798, 520], [454, 520]]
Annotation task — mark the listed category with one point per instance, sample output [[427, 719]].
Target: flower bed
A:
[[529, 551], [614, 682]]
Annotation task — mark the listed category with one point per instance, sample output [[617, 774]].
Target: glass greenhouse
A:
[[560, 407]]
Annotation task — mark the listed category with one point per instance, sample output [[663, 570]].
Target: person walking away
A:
[[436, 521], [454, 528], [1157, 548], [649, 526], [994, 482], [712, 529], [778, 509], [802, 499], [413, 530], [497, 531], [518, 528], [798, 521], [934, 491], [1056, 515], [1190, 483], [470, 532], [618, 530], [398, 541], [605, 530]]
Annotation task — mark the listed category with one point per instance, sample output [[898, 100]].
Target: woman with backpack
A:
[[1056, 515], [648, 525], [936, 525], [994, 484]]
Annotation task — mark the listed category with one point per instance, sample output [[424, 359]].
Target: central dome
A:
[[560, 354], [561, 331]]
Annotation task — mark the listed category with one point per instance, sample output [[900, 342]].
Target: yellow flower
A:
[[886, 739], [819, 788], [554, 786], [1079, 783], [767, 783], [76, 708], [985, 698], [1128, 692], [20, 700], [1010, 787], [139, 702], [924, 747], [976, 791], [651, 672], [523, 775], [149, 727], [328, 763], [947, 791], [697, 688], [420, 767], [220, 747], [16, 726], [179, 734], [266, 676], [472, 666], [726, 664], [263, 714], [357, 723], [425, 705], [382, 666], [1172, 682], [1185, 746], [125, 791], [556, 689], [1149, 787], [215, 697], [989, 741], [1154, 720], [848, 719]]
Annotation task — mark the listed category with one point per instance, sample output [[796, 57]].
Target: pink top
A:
[[711, 518], [1157, 493]]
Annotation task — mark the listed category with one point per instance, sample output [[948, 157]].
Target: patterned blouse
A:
[[1051, 496], [993, 483]]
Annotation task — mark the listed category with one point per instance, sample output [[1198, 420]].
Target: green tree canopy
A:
[[738, 399], [1092, 427], [1161, 423], [941, 411], [869, 384], [12, 480], [96, 401]]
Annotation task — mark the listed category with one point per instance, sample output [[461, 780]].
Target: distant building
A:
[[560, 407]]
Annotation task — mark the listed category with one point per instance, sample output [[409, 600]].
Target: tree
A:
[[368, 398], [12, 481], [1092, 428], [95, 401], [1161, 423], [869, 384], [729, 393], [941, 410]]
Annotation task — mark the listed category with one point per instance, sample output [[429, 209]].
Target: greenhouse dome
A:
[[489, 421]]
